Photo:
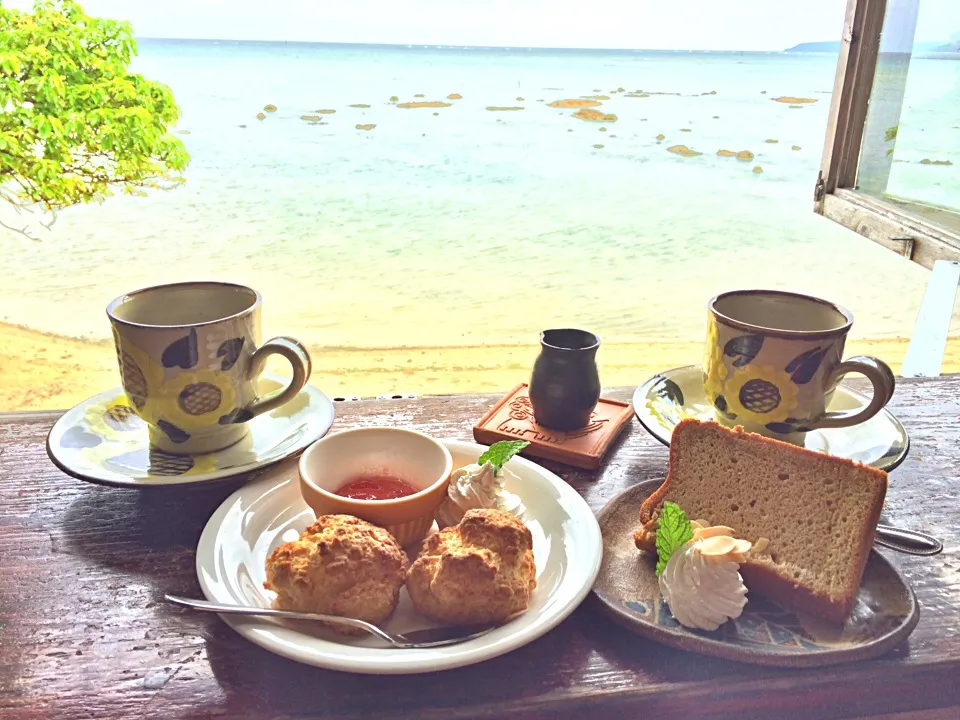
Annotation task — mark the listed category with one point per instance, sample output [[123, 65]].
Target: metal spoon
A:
[[910, 542], [428, 638]]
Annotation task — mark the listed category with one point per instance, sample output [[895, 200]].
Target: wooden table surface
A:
[[85, 632]]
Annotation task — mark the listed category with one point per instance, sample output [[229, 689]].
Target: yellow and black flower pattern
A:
[[757, 393], [197, 399], [760, 394], [715, 370], [189, 390]]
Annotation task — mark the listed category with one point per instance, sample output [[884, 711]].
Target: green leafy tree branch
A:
[[75, 125]]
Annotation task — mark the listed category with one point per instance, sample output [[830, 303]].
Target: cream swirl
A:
[[701, 582], [477, 486]]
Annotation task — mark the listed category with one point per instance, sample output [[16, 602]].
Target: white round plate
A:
[[233, 550], [669, 397], [102, 440]]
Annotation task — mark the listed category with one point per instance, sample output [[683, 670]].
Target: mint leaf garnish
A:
[[498, 453], [673, 532]]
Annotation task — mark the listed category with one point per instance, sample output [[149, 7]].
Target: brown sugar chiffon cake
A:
[[811, 517]]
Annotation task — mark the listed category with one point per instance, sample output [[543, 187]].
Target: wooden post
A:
[[929, 340], [851, 93]]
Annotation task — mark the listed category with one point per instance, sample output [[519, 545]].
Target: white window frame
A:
[[835, 194]]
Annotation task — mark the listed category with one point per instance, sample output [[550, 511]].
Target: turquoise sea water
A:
[[460, 225]]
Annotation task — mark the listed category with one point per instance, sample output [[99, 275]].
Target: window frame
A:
[[835, 193]]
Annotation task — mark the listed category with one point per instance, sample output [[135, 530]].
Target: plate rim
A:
[[642, 390], [223, 476], [717, 648], [248, 627]]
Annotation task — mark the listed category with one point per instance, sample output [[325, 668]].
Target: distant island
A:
[[833, 46]]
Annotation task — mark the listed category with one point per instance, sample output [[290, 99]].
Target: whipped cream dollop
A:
[[701, 582], [477, 486]]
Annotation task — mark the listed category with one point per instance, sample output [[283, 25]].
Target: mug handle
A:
[[299, 359], [880, 376]]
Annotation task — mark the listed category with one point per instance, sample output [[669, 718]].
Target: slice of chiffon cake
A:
[[811, 517]]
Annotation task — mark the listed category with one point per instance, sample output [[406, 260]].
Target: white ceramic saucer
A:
[[669, 397], [245, 529], [102, 440]]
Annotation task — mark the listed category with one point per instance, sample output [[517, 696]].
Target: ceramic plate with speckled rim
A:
[[103, 441], [885, 613], [669, 397]]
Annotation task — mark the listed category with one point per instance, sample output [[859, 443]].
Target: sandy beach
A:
[[40, 371]]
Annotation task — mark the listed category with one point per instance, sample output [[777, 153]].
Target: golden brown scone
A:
[[481, 570], [340, 565]]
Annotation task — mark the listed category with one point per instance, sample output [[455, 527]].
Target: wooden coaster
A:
[[512, 419]]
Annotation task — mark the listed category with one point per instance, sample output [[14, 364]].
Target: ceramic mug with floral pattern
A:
[[773, 360], [190, 356]]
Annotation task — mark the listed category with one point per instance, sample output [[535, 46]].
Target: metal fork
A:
[[428, 638]]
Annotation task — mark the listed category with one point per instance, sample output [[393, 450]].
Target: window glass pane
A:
[[423, 248], [911, 147]]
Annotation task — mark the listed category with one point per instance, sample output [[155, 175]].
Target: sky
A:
[[636, 24]]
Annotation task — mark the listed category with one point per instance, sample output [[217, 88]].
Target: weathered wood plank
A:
[[84, 631], [912, 237], [951, 713]]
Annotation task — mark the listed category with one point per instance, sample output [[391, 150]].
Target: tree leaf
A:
[[77, 125]]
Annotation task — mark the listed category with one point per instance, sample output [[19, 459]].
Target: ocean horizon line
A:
[[920, 51], [429, 46]]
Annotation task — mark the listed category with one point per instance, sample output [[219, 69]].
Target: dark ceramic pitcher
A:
[[565, 385]]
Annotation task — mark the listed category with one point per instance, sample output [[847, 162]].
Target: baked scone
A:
[[817, 514], [340, 565], [479, 571]]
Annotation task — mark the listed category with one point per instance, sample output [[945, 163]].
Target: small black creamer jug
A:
[[565, 385]]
